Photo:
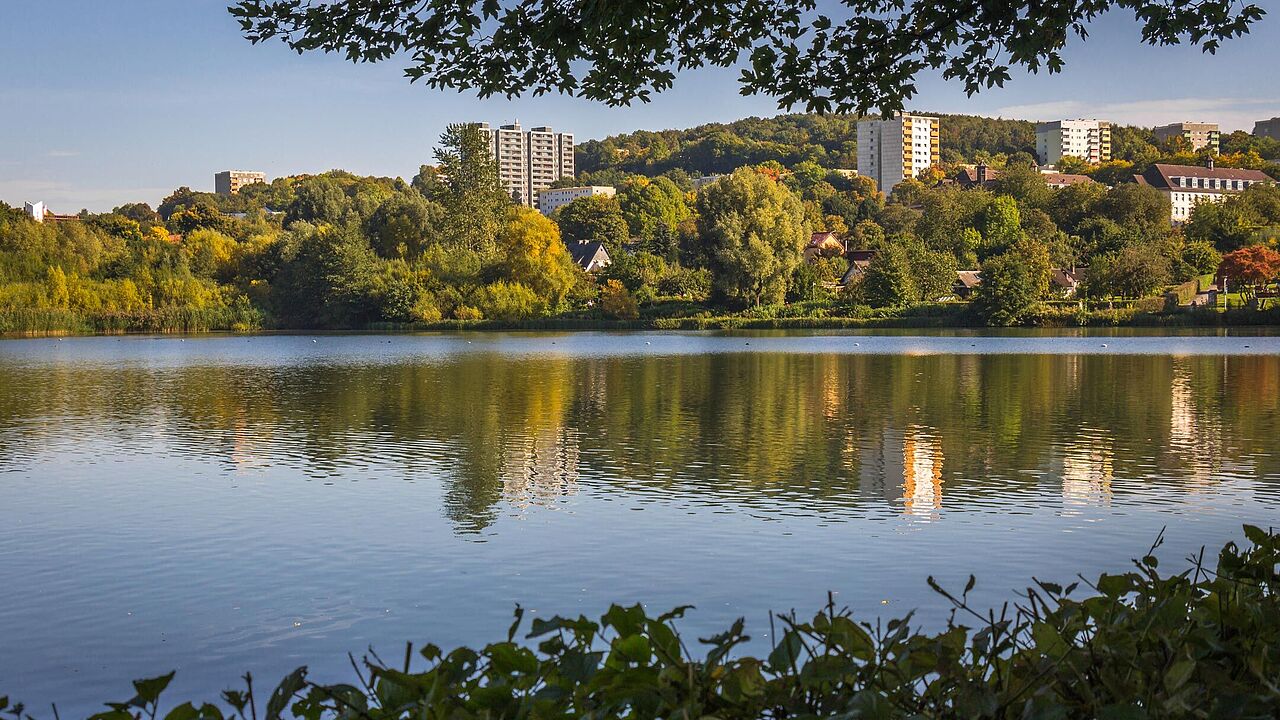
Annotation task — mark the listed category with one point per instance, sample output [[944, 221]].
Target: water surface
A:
[[222, 504]]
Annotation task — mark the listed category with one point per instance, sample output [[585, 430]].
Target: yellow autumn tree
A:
[[531, 254]]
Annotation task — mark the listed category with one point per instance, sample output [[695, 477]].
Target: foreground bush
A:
[[1202, 643]]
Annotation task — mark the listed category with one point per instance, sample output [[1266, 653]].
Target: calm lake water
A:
[[222, 504]]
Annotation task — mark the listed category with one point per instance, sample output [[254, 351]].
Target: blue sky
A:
[[106, 102]]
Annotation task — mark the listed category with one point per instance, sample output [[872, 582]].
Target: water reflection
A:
[[240, 504], [836, 435]]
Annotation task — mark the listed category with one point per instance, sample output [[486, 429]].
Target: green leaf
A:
[[149, 689], [185, 711], [288, 687]]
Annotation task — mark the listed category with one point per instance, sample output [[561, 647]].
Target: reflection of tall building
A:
[[904, 467], [1085, 468], [540, 469], [1194, 435], [921, 472]]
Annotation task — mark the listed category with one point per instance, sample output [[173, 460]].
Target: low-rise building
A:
[[823, 244], [1066, 281], [1268, 128], [553, 199], [35, 210], [966, 282], [859, 260], [1057, 180], [229, 182], [590, 256], [1189, 185], [1198, 135], [705, 180], [40, 212], [976, 176], [1088, 140]]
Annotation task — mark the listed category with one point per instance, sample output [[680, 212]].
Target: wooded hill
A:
[[831, 141]]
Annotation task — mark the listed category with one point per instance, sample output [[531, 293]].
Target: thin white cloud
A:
[[67, 198], [63, 153], [1230, 113]]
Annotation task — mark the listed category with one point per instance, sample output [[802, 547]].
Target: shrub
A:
[[618, 302], [509, 301]]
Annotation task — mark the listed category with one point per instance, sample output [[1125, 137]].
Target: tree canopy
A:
[[797, 51]]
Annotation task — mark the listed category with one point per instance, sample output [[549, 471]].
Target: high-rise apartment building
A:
[[1198, 135], [530, 161], [1088, 140], [229, 182], [1268, 128], [897, 149]]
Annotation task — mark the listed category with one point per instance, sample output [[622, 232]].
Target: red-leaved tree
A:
[[1250, 268]]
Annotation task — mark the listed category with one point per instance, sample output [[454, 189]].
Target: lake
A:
[[217, 505]]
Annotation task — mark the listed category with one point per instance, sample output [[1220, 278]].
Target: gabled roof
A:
[[968, 176], [1066, 179], [1161, 176], [969, 278], [585, 253], [1066, 277]]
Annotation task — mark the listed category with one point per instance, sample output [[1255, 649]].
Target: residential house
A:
[[976, 176], [823, 244], [1066, 281], [1057, 180], [858, 262], [590, 256], [966, 282]]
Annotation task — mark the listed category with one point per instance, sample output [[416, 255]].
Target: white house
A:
[[1189, 185]]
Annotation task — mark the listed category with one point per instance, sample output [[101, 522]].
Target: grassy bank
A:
[[38, 322], [1202, 642]]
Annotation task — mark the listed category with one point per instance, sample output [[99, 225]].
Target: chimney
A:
[[982, 174], [1210, 162]]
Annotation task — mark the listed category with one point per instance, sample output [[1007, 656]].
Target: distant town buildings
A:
[[529, 161], [229, 182], [41, 213], [1189, 185], [897, 149], [1088, 140], [1057, 180], [1198, 135], [705, 180], [36, 210], [1268, 128], [553, 199]]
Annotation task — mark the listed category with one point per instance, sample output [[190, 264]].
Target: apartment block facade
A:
[[229, 182], [1186, 186], [553, 199], [1088, 140], [1198, 135], [529, 161], [1268, 128], [897, 149]]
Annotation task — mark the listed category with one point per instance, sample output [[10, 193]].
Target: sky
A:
[[108, 102]]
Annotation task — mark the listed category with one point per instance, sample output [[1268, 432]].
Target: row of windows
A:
[[1211, 183]]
